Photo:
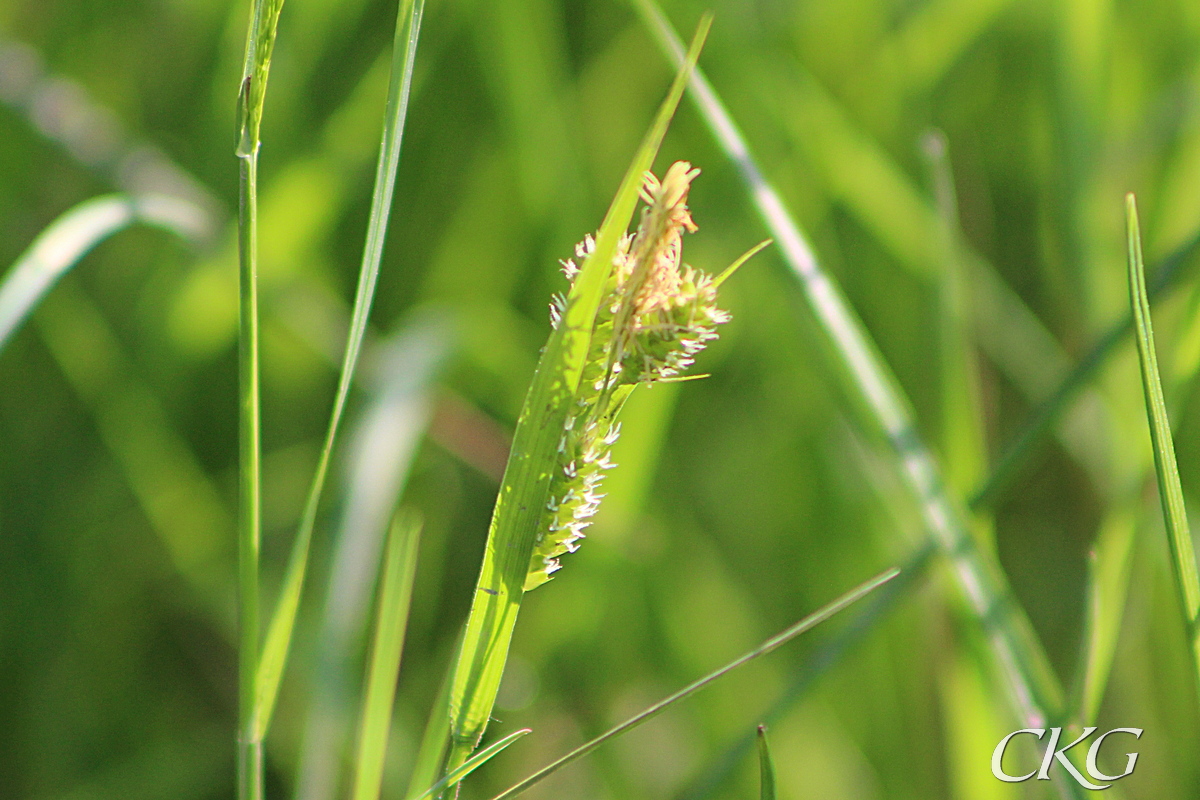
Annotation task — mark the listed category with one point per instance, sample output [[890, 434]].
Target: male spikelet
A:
[[653, 319]]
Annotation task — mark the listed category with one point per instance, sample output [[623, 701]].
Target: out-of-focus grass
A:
[[749, 497]]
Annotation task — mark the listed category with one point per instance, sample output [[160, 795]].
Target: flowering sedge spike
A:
[[655, 316]]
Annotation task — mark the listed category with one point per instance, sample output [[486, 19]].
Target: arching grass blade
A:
[[69, 238]]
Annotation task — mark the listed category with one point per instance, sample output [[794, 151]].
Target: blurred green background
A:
[[743, 501]]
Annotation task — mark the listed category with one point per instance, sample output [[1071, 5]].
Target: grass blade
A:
[[1109, 566], [1034, 692], [1183, 556], [963, 442], [766, 769], [524, 490], [395, 597], [435, 738], [473, 763], [820, 662], [806, 624], [382, 449], [1024, 444], [278, 641], [70, 237]]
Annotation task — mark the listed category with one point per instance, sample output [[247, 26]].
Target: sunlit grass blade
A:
[[382, 447], [473, 763], [395, 597], [806, 624], [524, 490], [1022, 446], [766, 769], [1033, 688], [279, 635], [816, 665], [70, 237], [1183, 556]]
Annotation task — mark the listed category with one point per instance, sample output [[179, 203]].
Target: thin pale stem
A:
[[249, 509]]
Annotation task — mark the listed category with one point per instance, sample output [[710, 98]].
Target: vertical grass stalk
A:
[[260, 42]]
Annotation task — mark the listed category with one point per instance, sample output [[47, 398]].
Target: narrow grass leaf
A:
[[70, 237], [1022, 446], [766, 769], [963, 442], [820, 662], [1183, 557], [436, 737], [1033, 688], [524, 489], [806, 624], [473, 763], [279, 635], [395, 597], [1104, 607], [742, 259], [382, 447]]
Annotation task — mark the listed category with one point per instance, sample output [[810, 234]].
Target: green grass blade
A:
[[279, 635], [816, 665], [1183, 556], [1107, 586], [1017, 453], [70, 237], [806, 624], [395, 597], [473, 763], [766, 769], [435, 739], [963, 445], [382, 447], [1033, 689], [524, 489], [877, 191]]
